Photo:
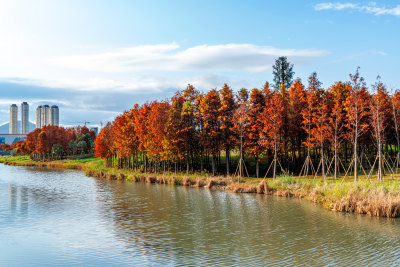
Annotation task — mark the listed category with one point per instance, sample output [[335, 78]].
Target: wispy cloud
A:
[[368, 53], [169, 57], [370, 8], [96, 86]]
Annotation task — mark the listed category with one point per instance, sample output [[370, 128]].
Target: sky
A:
[[95, 59]]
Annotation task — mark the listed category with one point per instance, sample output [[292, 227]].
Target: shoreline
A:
[[380, 199]]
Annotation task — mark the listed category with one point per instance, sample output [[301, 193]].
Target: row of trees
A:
[[303, 129], [54, 142], [5, 146]]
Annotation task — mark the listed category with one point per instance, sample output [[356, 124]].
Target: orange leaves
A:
[[272, 120], [240, 114], [103, 143], [254, 125], [381, 111], [140, 121], [209, 108], [226, 112], [41, 141], [43, 144], [338, 93], [193, 126], [357, 107], [296, 107], [124, 137], [156, 129], [308, 113], [5, 146], [316, 113], [172, 142]]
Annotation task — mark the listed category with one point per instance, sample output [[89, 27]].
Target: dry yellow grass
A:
[[366, 197]]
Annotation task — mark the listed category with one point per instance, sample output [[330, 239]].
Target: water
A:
[[64, 218]]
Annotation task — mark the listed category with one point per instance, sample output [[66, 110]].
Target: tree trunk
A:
[[355, 155], [187, 165], [380, 175], [257, 168], [213, 165], [201, 162], [227, 160], [275, 159], [323, 162]]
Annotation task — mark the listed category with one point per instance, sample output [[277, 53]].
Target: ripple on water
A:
[[50, 217]]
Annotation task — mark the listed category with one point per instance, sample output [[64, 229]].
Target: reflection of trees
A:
[[182, 224], [317, 236], [172, 224]]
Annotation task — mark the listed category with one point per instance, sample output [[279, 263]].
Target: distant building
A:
[[24, 118], [95, 129], [47, 116], [54, 115], [13, 119], [38, 119]]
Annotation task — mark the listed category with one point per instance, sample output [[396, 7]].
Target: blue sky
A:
[[97, 58]]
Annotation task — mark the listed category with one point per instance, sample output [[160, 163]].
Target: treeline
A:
[[304, 129], [54, 142], [5, 147]]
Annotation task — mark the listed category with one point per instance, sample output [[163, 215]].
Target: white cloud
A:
[[169, 57], [335, 6], [105, 83], [371, 8]]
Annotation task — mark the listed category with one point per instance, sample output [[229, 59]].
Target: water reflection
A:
[[18, 205], [65, 218], [175, 224]]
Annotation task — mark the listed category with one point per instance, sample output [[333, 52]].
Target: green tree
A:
[[283, 73], [88, 141], [57, 150], [82, 146], [72, 145]]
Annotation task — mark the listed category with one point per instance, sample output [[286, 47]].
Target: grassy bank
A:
[[365, 197]]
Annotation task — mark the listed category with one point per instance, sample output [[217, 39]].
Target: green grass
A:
[[317, 190], [14, 158]]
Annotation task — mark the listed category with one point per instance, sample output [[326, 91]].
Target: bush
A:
[[286, 179], [13, 152]]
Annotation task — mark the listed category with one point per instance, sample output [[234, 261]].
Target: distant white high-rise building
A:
[[38, 118], [24, 118], [54, 115], [46, 115], [13, 119]]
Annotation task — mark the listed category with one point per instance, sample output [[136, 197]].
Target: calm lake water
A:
[[64, 218]]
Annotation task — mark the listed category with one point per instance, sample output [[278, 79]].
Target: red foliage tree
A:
[[337, 119], [272, 120], [254, 126], [173, 142], [381, 114], [240, 123], [226, 112], [296, 107], [156, 130], [358, 109], [104, 143], [209, 107]]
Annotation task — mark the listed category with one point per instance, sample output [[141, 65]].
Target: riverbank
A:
[[364, 197]]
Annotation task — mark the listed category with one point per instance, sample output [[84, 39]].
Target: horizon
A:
[[96, 59]]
